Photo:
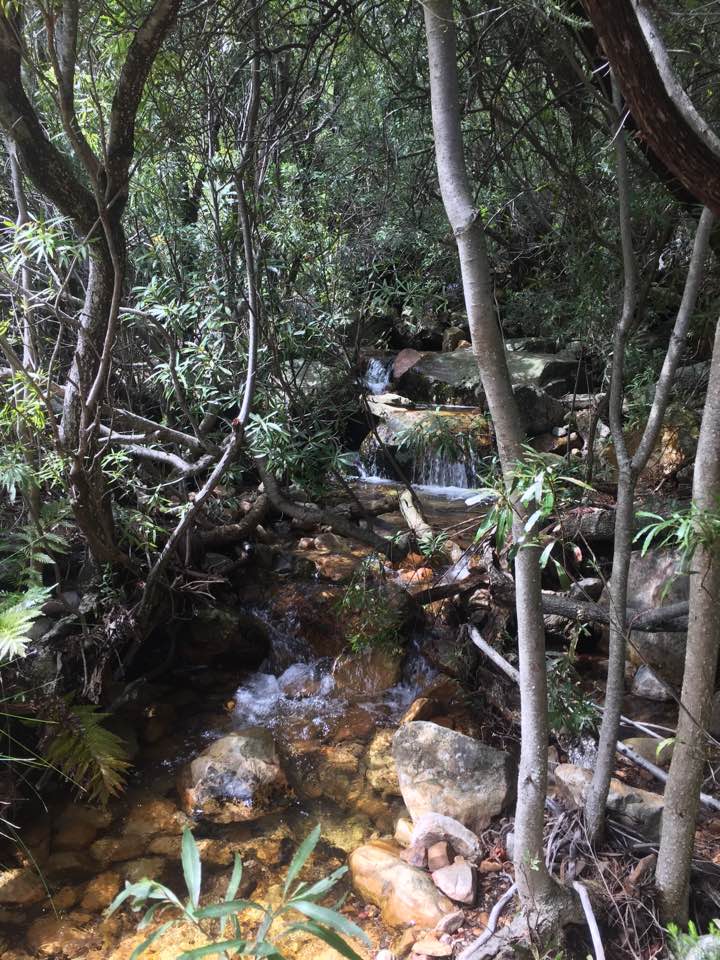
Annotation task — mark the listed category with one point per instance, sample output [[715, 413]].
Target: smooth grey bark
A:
[[631, 466], [543, 899], [685, 778]]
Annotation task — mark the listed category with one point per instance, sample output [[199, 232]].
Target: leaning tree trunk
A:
[[686, 769], [543, 899]]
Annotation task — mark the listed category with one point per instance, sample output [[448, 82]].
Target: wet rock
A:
[[155, 815], [237, 778], [442, 771], [101, 891], [113, 849], [159, 721], [648, 685], [53, 937], [78, 826], [381, 773], [223, 637], [405, 895], [457, 881], [147, 868], [434, 828], [636, 808], [356, 723], [70, 865], [21, 886], [299, 681], [66, 898], [368, 673]]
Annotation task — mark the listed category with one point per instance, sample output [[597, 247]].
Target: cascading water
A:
[[377, 376]]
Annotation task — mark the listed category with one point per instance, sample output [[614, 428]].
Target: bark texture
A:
[[686, 769], [659, 105], [540, 895]]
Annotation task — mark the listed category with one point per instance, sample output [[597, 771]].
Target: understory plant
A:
[[220, 922], [376, 618]]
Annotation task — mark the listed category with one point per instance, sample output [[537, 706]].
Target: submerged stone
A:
[[238, 777]]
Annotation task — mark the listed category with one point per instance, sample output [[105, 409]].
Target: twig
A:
[[591, 921], [621, 748], [469, 951]]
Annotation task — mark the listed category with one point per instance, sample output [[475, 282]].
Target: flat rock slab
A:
[[457, 881]]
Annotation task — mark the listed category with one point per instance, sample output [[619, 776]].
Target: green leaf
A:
[[330, 918], [192, 868], [235, 879], [327, 936], [545, 555], [213, 949], [302, 854], [322, 886], [215, 910]]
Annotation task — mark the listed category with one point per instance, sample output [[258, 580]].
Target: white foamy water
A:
[[377, 376]]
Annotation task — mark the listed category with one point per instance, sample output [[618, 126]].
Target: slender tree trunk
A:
[[630, 467], [543, 899], [686, 769]]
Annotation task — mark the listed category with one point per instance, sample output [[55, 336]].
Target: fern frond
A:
[[88, 754], [18, 612]]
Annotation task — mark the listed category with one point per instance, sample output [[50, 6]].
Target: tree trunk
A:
[[540, 895], [686, 769]]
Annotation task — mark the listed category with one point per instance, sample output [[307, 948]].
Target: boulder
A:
[[224, 637], [451, 922], [21, 887], [539, 411], [381, 773], [366, 674], [648, 685], [155, 815], [299, 681], [434, 828], [457, 881], [442, 771], [115, 849], [453, 376], [101, 891], [405, 895], [238, 777], [53, 937], [638, 809], [78, 826], [655, 580]]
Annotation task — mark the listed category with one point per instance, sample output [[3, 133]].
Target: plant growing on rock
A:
[[217, 920], [375, 612]]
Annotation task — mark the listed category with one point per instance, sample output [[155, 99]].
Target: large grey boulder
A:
[[655, 580], [638, 809], [454, 377], [442, 771], [238, 777]]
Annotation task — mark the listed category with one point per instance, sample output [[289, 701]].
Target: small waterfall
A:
[[434, 470], [377, 376]]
